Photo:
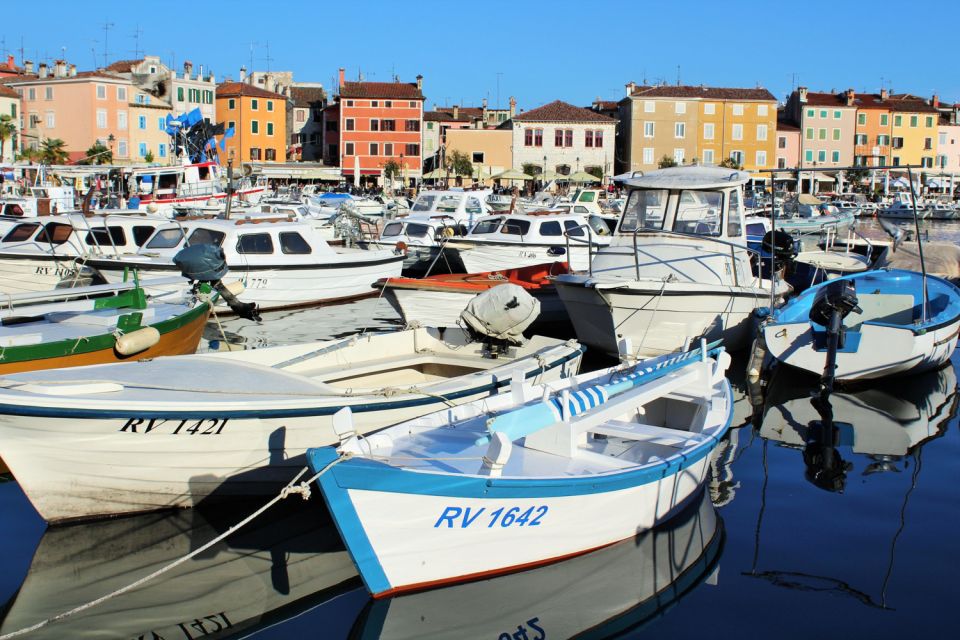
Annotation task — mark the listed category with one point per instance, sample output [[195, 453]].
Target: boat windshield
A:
[[392, 229], [425, 202], [645, 209], [206, 236], [487, 226], [417, 230], [698, 213], [165, 239], [449, 203], [587, 196]]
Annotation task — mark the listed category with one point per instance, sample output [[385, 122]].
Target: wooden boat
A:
[[169, 432], [893, 322], [526, 478], [438, 301], [128, 325], [598, 595]]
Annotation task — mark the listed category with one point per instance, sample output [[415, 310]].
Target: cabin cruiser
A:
[[38, 254], [161, 189], [677, 268], [506, 241], [902, 209], [809, 214], [329, 204], [281, 263], [39, 200], [941, 211]]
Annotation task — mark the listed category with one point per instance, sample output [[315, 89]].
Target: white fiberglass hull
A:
[[483, 257], [25, 274], [443, 308]]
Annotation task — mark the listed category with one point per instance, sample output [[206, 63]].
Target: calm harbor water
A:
[[806, 529]]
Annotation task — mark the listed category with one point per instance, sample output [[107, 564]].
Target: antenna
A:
[[678, 75], [106, 35], [499, 73], [267, 58], [93, 51], [3, 45], [21, 50], [252, 45], [137, 32]]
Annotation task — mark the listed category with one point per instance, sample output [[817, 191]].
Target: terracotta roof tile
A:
[[123, 66], [445, 116], [816, 99], [559, 111], [307, 96], [400, 90], [473, 112], [228, 89], [7, 92], [709, 93]]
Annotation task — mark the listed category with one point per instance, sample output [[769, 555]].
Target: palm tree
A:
[[97, 154], [7, 130], [52, 151]]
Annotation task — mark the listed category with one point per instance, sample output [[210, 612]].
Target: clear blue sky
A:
[[542, 51]]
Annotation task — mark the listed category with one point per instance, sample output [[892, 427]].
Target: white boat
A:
[[542, 473], [39, 254], [105, 440], [677, 269], [160, 189], [941, 211], [39, 200], [513, 240], [893, 322], [281, 263], [902, 209]]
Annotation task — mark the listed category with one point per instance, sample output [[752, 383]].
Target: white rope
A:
[[302, 489]]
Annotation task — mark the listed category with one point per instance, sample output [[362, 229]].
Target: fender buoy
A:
[[137, 341]]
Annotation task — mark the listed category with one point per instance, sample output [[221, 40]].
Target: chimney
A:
[[483, 103], [513, 106], [187, 68], [11, 62], [419, 82], [935, 101], [631, 87], [28, 66], [341, 78], [73, 71], [456, 111], [802, 91], [60, 69], [851, 95], [42, 71], [243, 74], [884, 94]]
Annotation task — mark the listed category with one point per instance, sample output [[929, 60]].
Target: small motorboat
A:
[[438, 301], [874, 324], [528, 477], [106, 440]]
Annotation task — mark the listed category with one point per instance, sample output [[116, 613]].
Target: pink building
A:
[[788, 143], [948, 142]]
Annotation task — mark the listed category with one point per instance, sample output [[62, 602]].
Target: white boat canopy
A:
[[690, 178]]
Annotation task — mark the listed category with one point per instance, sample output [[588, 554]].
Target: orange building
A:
[[259, 120], [379, 122]]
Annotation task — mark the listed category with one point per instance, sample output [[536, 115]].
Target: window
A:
[[837, 115], [477, 157], [374, 125], [300, 115], [292, 242], [260, 243], [737, 132], [898, 121], [861, 118], [551, 228], [781, 142], [808, 155], [31, 93], [162, 150], [897, 143], [680, 107], [598, 138], [269, 128], [513, 226], [413, 150], [761, 159], [389, 125], [811, 113], [822, 134], [349, 103], [412, 125], [914, 120], [929, 121], [387, 104], [648, 155], [270, 154], [122, 148], [21, 232], [709, 108], [761, 132], [648, 129], [374, 103], [388, 149], [161, 123], [51, 120], [708, 156], [896, 161], [141, 122], [943, 137], [142, 149], [374, 149], [781, 163], [698, 212], [679, 130], [232, 125], [883, 141], [926, 162], [738, 109], [572, 228], [35, 119], [487, 226], [231, 103], [645, 209], [884, 119], [821, 156], [269, 105], [348, 124], [860, 138], [588, 138], [528, 137], [101, 118], [737, 156], [941, 161], [254, 153], [568, 138], [48, 93], [927, 142], [254, 104], [101, 92], [836, 134], [649, 106], [678, 156], [809, 133], [835, 157], [254, 126], [761, 110], [348, 149], [823, 113]]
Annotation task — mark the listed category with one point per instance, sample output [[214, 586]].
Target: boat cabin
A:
[[464, 207], [158, 184], [76, 235], [546, 227]]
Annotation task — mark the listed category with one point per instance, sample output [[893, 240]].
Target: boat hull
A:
[[27, 274], [480, 257], [443, 308]]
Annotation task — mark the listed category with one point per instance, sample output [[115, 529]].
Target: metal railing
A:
[[733, 247], [589, 241]]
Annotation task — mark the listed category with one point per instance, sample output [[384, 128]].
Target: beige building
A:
[[183, 91], [148, 124], [827, 126], [10, 105], [490, 150], [690, 124]]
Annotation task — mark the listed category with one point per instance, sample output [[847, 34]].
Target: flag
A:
[[193, 117]]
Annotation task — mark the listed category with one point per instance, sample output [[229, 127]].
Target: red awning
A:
[[363, 172]]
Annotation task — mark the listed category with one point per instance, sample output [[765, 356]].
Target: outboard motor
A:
[[500, 315], [205, 263], [834, 302], [783, 247]]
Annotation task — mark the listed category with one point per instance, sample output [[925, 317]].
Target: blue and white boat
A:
[[535, 475], [898, 322]]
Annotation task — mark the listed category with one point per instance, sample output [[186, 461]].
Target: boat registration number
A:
[[205, 427], [466, 517]]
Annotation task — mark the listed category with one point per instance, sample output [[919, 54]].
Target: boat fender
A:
[[236, 287], [136, 341], [401, 247]]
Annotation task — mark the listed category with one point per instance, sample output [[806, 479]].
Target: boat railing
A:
[[732, 245], [589, 241]]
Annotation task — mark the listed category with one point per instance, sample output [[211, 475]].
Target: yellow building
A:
[[702, 124], [259, 120], [913, 137], [489, 150], [147, 127]]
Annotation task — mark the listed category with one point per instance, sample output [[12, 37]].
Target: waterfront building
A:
[[489, 150], [696, 124], [914, 131], [874, 130], [258, 118], [305, 121], [827, 125], [788, 143], [331, 134], [10, 105], [148, 128], [380, 122], [563, 138], [183, 91], [948, 138]]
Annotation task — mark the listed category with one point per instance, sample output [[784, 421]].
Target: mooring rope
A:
[[302, 489]]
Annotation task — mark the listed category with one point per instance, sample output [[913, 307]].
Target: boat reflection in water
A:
[[608, 591], [286, 559]]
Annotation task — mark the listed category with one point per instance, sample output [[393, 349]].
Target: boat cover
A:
[[502, 312]]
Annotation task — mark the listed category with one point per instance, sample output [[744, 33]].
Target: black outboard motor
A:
[[783, 247], [834, 302], [206, 263]]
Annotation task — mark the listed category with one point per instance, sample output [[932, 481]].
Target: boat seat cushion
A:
[[889, 308]]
